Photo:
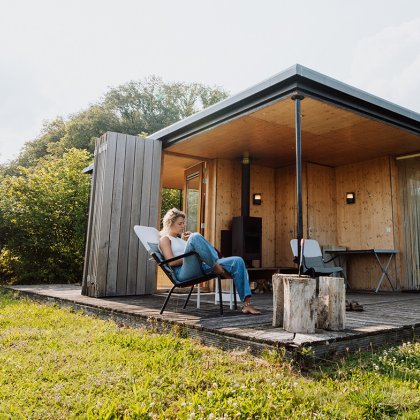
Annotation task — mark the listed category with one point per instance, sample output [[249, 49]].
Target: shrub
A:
[[43, 216]]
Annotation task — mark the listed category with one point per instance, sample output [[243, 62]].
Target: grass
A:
[[57, 363]]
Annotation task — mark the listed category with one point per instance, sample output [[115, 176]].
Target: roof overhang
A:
[[340, 124]]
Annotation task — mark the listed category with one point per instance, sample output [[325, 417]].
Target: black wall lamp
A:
[[256, 199], [350, 198]]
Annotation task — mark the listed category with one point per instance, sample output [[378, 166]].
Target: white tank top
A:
[[177, 245]]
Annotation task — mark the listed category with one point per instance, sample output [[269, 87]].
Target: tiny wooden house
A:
[[352, 143]]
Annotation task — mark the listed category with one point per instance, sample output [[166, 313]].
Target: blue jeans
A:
[[235, 266]]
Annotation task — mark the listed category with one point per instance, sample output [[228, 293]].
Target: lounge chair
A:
[[149, 237]]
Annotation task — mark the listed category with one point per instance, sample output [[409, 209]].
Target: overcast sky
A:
[[59, 56]]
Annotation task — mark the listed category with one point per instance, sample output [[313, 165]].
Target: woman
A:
[[174, 241]]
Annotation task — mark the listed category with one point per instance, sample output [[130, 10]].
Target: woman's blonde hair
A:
[[170, 218]]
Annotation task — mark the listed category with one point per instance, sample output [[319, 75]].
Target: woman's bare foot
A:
[[249, 309], [218, 269]]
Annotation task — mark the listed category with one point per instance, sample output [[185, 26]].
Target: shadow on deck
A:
[[387, 318]]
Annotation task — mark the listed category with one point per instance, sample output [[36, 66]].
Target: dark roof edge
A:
[[282, 84]]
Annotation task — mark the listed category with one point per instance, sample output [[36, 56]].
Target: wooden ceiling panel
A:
[[330, 136], [173, 170]]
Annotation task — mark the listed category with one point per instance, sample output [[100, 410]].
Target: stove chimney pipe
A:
[[246, 184]]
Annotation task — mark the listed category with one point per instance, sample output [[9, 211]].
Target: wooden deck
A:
[[387, 318]]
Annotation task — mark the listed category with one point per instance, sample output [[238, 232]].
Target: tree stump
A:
[[300, 304], [332, 304], [278, 299]]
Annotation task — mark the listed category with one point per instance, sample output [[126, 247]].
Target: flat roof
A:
[[295, 79]]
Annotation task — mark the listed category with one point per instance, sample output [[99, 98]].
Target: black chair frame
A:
[[164, 264]]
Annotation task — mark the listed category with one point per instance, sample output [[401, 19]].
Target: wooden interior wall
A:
[[369, 222], [228, 202], [321, 202], [285, 230], [263, 181], [319, 208], [228, 195], [372, 222], [286, 221]]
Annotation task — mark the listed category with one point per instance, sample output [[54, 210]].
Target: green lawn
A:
[[57, 363]]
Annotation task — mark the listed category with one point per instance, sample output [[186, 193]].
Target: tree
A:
[[43, 214], [150, 105], [137, 108], [44, 195], [52, 132], [170, 198]]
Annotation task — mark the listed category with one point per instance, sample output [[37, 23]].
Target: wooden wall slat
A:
[[369, 222], [134, 249], [90, 244], [285, 214], [125, 226], [322, 215], [105, 225], [144, 212], [154, 199], [98, 208], [228, 201], [263, 181], [115, 228]]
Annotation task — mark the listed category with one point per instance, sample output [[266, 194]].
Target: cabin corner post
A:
[[297, 98]]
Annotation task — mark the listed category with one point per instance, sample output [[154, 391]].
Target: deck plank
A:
[[386, 318]]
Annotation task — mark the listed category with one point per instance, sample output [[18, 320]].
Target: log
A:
[[300, 304], [332, 304], [278, 299]]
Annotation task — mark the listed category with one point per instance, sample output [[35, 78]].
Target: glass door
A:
[[194, 197]]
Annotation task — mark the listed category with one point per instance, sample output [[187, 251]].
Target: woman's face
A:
[[178, 227]]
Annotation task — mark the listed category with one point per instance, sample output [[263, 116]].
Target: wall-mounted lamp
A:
[[350, 198], [256, 199]]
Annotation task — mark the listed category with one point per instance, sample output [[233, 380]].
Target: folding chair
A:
[[311, 258], [149, 237]]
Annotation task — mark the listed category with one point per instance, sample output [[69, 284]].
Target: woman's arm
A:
[[165, 247]]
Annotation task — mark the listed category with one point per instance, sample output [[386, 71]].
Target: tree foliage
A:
[[43, 213], [44, 195], [170, 198], [142, 107]]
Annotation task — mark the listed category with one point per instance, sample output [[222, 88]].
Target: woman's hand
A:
[[185, 235]]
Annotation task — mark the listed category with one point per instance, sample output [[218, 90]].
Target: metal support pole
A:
[[299, 223]]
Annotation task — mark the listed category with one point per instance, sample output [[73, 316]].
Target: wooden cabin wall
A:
[[227, 202], [369, 222], [228, 195], [285, 214], [319, 208], [321, 202], [263, 181], [125, 192]]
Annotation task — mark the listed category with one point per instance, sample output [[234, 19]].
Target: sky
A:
[[57, 57]]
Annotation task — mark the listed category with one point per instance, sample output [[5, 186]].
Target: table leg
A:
[[344, 272], [384, 272]]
